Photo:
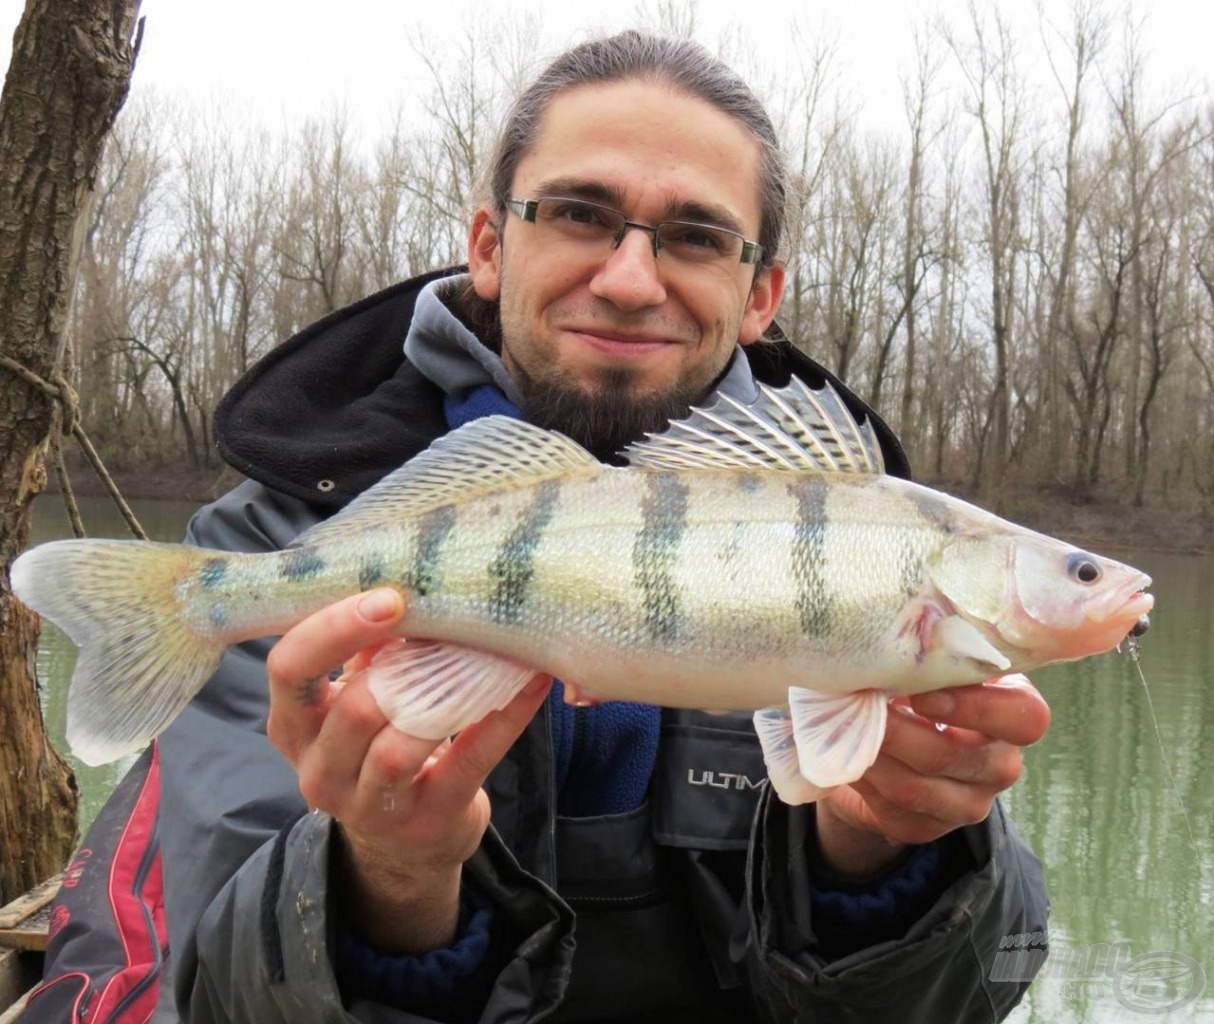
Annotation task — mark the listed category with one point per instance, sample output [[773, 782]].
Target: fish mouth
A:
[[1112, 617], [1130, 604]]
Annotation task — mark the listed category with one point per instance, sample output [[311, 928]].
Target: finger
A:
[[356, 739], [476, 751], [333, 635], [299, 664], [939, 799], [394, 762], [1009, 709], [872, 810], [394, 759], [958, 754]]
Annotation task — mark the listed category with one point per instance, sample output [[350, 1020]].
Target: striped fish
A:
[[750, 557]]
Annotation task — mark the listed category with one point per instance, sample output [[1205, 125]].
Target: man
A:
[[634, 868]]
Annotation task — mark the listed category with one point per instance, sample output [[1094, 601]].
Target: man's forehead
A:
[[619, 143]]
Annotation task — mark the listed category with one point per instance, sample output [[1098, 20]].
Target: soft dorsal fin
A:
[[492, 453], [792, 428]]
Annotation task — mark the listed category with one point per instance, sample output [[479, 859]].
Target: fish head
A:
[[1071, 603], [1043, 600]]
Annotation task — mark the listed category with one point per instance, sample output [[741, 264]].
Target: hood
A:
[[336, 407]]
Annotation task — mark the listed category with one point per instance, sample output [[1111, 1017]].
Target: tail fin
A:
[[140, 663]]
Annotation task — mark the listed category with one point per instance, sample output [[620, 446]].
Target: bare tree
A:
[[917, 248], [1148, 149], [69, 74], [995, 97], [1081, 42], [120, 289], [1165, 310], [319, 226], [812, 132], [1095, 336]]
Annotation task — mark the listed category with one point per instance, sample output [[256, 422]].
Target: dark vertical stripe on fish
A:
[[433, 528], [213, 571], [932, 509], [301, 563], [514, 564], [654, 553], [372, 571], [809, 556]]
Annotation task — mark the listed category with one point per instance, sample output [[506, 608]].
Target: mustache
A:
[[602, 316]]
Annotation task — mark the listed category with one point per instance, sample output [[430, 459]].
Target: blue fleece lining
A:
[[485, 400], [863, 909], [432, 974]]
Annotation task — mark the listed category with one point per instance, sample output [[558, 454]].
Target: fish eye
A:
[[1082, 567]]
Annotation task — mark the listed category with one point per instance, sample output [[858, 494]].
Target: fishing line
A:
[[1131, 648]]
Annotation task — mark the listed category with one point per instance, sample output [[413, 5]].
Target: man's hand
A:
[[411, 810], [928, 781]]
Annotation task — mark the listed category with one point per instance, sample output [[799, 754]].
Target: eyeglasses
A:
[[602, 228]]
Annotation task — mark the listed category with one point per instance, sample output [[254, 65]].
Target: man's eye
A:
[[582, 214], [693, 236], [577, 213]]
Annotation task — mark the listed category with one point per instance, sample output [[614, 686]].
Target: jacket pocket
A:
[[707, 781]]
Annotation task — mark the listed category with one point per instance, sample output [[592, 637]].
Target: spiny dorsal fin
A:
[[792, 429], [492, 453]]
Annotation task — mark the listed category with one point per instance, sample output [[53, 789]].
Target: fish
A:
[[751, 557]]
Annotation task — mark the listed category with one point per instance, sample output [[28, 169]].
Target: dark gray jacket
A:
[[694, 907]]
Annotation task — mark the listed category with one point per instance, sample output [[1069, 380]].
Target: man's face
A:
[[620, 334]]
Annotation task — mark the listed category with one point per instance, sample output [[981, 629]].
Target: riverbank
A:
[[1104, 522]]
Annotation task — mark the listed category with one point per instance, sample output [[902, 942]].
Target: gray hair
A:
[[680, 63]]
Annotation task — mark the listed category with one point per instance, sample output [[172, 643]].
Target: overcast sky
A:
[[278, 59]]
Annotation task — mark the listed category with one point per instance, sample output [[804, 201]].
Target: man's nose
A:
[[630, 278]]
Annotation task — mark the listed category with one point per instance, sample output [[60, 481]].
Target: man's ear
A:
[[485, 255], [765, 295]]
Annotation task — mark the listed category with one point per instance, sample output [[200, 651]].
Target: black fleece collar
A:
[[333, 409]]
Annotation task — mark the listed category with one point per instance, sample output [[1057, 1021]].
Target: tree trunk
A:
[[69, 75]]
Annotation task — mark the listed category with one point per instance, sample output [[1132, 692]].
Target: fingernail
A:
[[378, 605], [938, 704]]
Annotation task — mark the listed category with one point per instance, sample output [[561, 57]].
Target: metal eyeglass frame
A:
[[526, 209]]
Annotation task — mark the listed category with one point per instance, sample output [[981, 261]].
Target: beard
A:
[[607, 418], [608, 413]]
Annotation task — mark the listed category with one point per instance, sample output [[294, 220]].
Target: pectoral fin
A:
[[837, 736], [775, 731], [938, 638], [955, 636], [433, 690]]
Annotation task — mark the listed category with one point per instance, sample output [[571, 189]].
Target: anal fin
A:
[[775, 731], [432, 690], [837, 735]]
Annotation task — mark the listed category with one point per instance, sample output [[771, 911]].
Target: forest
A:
[[1021, 278]]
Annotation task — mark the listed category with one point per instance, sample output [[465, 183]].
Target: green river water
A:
[[1133, 890]]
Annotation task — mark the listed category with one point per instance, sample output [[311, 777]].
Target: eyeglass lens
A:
[[591, 224]]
